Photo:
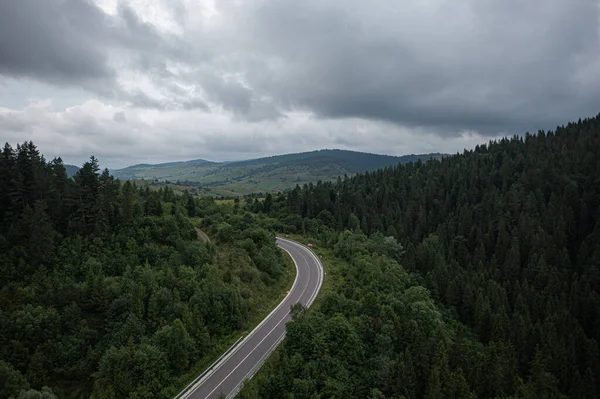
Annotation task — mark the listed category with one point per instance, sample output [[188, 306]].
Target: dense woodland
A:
[[497, 292], [474, 276], [105, 290]]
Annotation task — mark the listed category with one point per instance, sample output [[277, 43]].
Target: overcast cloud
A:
[[151, 81]]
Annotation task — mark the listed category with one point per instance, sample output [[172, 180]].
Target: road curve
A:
[[244, 359]]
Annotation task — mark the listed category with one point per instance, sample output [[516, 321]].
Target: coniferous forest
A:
[[476, 276], [473, 276], [105, 289]]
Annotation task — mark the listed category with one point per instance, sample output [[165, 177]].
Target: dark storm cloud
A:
[[491, 66], [52, 40], [239, 99], [487, 65], [70, 42]]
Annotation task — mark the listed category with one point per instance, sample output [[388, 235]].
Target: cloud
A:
[[75, 43], [119, 116], [488, 65], [120, 137], [51, 40], [228, 79]]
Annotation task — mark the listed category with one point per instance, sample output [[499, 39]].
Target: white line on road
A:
[[253, 370], [246, 357], [268, 334], [234, 349], [232, 352]]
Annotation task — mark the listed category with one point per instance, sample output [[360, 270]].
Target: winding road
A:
[[227, 375]]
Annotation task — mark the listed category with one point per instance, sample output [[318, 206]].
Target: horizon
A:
[[67, 162], [138, 81]]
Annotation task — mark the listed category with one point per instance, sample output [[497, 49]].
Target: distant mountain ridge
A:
[[71, 170], [354, 161], [190, 162], [272, 173]]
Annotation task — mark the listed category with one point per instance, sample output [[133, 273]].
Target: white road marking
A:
[[269, 333], [301, 249]]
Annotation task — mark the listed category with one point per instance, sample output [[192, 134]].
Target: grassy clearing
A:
[[225, 202], [202, 235]]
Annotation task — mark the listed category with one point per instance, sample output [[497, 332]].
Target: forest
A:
[[473, 276], [105, 289]]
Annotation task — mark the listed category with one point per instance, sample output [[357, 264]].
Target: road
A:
[[227, 375]]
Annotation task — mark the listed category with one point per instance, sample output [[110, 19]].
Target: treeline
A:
[[505, 237], [376, 334], [105, 289]]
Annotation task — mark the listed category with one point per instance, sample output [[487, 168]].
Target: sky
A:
[[149, 81]]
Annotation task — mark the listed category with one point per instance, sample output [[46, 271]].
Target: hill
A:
[[266, 174], [105, 289], [506, 240], [181, 170], [71, 170]]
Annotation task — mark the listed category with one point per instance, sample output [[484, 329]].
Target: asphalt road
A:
[[228, 374]]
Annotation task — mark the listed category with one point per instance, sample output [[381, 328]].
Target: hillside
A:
[[71, 170], [506, 239], [105, 289], [266, 174], [164, 171]]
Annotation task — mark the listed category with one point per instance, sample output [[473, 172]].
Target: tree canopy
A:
[[498, 292], [105, 289]]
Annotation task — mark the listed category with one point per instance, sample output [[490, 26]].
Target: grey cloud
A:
[[234, 95], [14, 123], [180, 100], [127, 30], [75, 133], [141, 99], [119, 117], [490, 65], [194, 104], [230, 93], [220, 144], [121, 137], [48, 40], [70, 43]]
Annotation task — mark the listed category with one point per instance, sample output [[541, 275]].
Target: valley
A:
[[270, 174]]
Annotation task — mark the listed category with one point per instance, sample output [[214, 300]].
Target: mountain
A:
[[266, 174], [71, 170], [351, 161], [181, 170]]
